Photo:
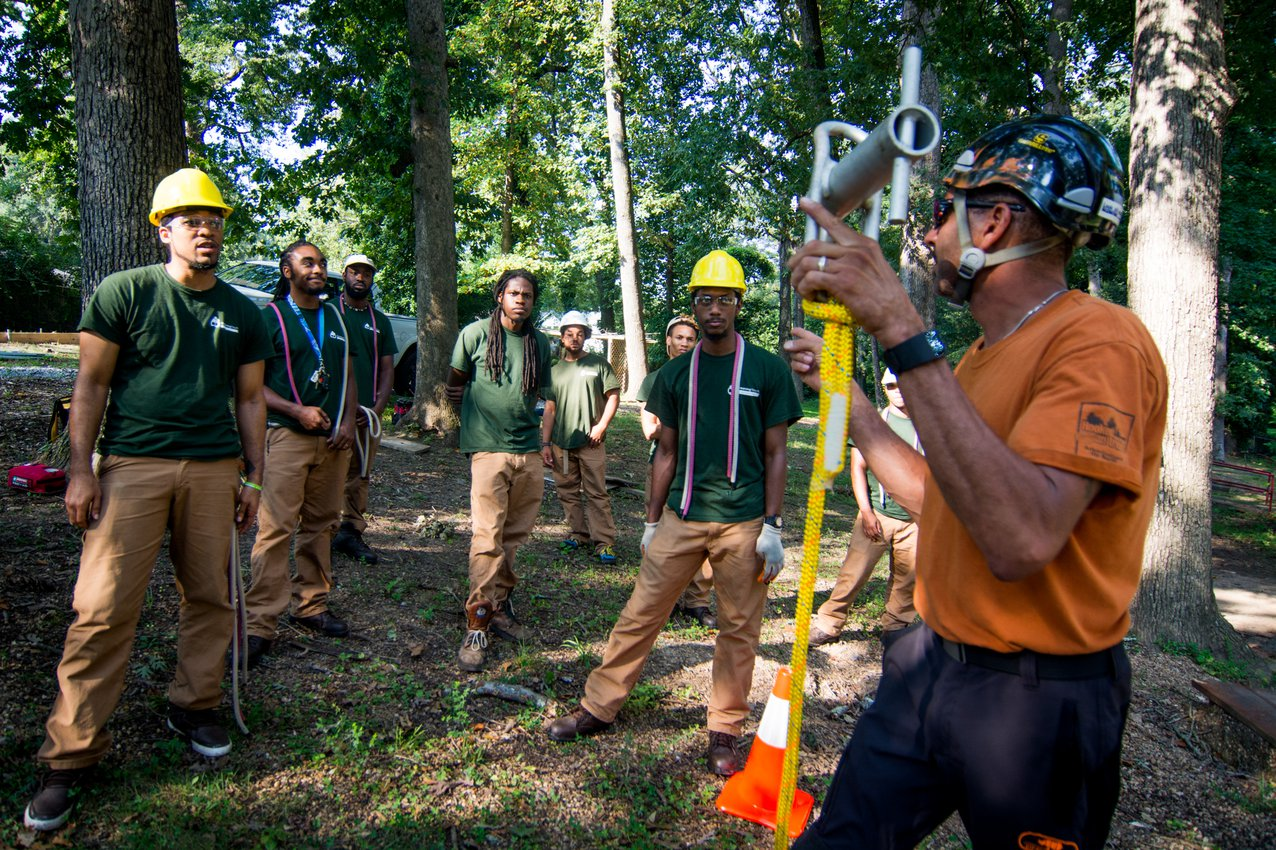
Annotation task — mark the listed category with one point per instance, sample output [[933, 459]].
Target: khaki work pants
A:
[[580, 475], [142, 498], [301, 492], [677, 550], [505, 496], [356, 493], [899, 537], [697, 593]]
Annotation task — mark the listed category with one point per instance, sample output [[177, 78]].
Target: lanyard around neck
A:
[[314, 346], [733, 420]]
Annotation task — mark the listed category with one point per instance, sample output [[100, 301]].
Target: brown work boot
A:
[[580, 723], [819, 637], [478, 617], [722, 757], [505, 625]]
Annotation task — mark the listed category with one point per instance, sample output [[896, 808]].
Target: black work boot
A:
[[349, 542], [55, 798]]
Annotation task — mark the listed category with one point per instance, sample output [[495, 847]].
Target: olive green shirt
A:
[[767, 399], [180, 350], [580, 394], [882, 501], [304, 364], [371, 338], [496, 416]]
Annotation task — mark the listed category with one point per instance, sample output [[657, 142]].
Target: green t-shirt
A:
[[580, 393], [304, 363], [882, 501], [180, 350], [498, 417], [644, 393], [371, 338], [767, 399]]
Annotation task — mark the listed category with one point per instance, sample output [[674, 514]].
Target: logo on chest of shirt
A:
[[217, 322], [336, 336], [750, 392], [1103, 432], [368, 326]]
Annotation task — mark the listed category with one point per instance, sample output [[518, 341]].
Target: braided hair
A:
[[283, 287], [495, 361]]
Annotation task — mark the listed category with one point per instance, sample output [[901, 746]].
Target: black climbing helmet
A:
[[1065, 168]]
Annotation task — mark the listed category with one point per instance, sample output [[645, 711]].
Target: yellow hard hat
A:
[[188, 188], [717, 269]]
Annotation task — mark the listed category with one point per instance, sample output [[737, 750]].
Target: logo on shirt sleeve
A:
[[1103, 432]]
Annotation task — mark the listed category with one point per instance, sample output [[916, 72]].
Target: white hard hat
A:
[[358, 260], [575, 318], [888, 377]]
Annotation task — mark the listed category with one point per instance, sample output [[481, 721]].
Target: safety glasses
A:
[[943, 206]]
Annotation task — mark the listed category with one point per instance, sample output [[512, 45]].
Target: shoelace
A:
[[475, 638]]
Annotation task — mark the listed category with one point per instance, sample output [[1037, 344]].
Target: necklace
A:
[[1026, 316]]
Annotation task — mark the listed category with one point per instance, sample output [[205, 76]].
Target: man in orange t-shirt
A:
[[1043, 449]]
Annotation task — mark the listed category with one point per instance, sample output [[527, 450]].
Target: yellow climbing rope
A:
[[837, 366]]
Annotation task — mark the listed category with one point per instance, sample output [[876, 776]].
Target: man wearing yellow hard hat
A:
[[170, 345], [717, 492]]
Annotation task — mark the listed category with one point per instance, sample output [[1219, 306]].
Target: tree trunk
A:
[[916, 268], [622, 189], [1094, 276], [433, 213], [128, 127], [1056, 70], [1180, 97], [786, 302], [1220, 365]]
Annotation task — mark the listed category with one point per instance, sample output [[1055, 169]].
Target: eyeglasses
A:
[[890, 386], [943, 206], [708, 300], [194, 224]]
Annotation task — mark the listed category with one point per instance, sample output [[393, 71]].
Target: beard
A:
[[204, 266], [357, 294]]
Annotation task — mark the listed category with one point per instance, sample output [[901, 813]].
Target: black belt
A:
[[1090, 666]]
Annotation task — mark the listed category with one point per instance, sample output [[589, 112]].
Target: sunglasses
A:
[[943, 206]]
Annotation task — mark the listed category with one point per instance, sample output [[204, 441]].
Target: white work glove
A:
[[771, 551], [648, 532]]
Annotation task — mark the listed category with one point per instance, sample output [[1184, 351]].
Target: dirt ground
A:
[[1192, 778]]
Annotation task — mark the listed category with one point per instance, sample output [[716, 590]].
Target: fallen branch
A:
[[511, 693]]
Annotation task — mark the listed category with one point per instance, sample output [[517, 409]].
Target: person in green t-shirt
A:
[[881, 527], [585, 399], [680, 337], [500, 365], [311, 398], [720, 469], [172, 348], [372, 339]]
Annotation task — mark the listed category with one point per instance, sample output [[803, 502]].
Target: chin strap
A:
[[974, 260]]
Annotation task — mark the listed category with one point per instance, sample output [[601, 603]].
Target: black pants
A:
[[1026, 761]]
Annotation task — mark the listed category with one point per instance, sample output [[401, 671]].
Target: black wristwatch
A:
[[774, 521], [914, 351]]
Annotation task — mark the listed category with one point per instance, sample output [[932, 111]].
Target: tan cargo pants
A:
[[676, 552], [899, 537], [301, 492], [697, 593], [141, 499], [355, 503], [505, 496], [580, 476]]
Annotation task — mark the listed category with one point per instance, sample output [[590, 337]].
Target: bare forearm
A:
[[859, 481], [650, 425], [662, 471], [250, 414], [276, 403], [87, 407], [547, 422], [609, 410], [777, 469]]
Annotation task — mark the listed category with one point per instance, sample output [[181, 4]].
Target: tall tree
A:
[[622, 190], [1180, 99], [432, 207], [128, 120], [915, 267]]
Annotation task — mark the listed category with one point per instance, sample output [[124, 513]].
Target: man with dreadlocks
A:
[[717, 491], [499, 367]]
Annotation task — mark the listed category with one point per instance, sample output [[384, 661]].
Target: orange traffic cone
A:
[[754, 792]]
